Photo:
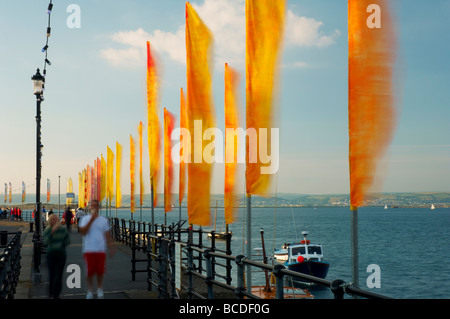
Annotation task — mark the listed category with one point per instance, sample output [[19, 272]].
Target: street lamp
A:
[[38, 88]]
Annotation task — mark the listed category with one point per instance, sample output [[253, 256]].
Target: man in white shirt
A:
[[96, 242]]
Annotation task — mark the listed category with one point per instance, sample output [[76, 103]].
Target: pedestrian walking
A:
[[56, 239], [78, 215], [97, 242], [68, 219]]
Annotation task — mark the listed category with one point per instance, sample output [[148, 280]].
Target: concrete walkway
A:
[[117, 281]]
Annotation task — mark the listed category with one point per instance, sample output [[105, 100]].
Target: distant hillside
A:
[[422, 199]]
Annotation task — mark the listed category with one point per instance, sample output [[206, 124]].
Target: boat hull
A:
[[311, 268]]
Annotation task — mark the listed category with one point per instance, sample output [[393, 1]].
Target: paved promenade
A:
[[117, 282]]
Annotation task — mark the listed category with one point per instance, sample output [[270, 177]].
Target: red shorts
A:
[[95, 263]]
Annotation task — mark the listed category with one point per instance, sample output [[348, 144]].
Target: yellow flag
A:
[[118, 163], [201, 110], [371, 108], [183, 148], [153, 121], [264, 27], [110, 172], [103, 180], [80, 186], [83, 188], [231, 146], [141, 180], [132, 155]]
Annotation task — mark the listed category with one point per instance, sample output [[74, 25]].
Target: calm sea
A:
[[410, 245]]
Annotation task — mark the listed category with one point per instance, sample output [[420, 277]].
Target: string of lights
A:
[[49, 30]]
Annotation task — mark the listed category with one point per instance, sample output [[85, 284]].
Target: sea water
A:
[[411, 246]]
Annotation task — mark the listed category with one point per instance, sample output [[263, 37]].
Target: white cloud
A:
[[226, 20], [303, 31]]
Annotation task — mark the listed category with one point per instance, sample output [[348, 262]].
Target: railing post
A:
[[279, 293], [209, 273], [3, 237], [133, 258], [172, 265], [337, 288], [228, 262], [190, 264], [240, 288], [200, 245], [213, 248], [162, 273]]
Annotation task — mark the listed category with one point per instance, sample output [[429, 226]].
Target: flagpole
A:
[[153, 208], [354, 245], [249, 241]]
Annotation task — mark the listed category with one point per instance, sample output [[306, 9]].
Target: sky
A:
[[96, 89]]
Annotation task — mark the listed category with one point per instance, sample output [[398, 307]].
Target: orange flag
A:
[[169, 121], [132, 155], [372, 113], [231, 122], [264, 33], [103, 179], [89, 183], [200, 109], [153, 121], [183, 124], [141, 181]]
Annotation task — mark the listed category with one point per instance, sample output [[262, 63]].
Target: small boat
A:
[[432, 207], [268, 291], [219, 235], [303, 257], [385, 207]]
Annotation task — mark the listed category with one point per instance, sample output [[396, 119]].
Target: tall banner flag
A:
[[118, 165], [372, 113], [99, 179], [141, 180], [264, 20], [69, 191], [200, 111], [48, 190], [6, 192], [169, 122], [153, 122], [132, 173], [94, 180], [231, 146], [80, 190], [184, 151], [23, 192], [10, 192], [110, 173], [89, 183], [372, 46], [103, 179], [264, 34], [84, 178]]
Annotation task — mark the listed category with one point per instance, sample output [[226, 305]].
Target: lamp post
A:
[[38, 85]]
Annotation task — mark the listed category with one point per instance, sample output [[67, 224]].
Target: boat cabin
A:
[[291, 252], [306, 251]]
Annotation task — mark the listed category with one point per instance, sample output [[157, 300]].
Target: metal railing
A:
[[201, 261], [9, 264]]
